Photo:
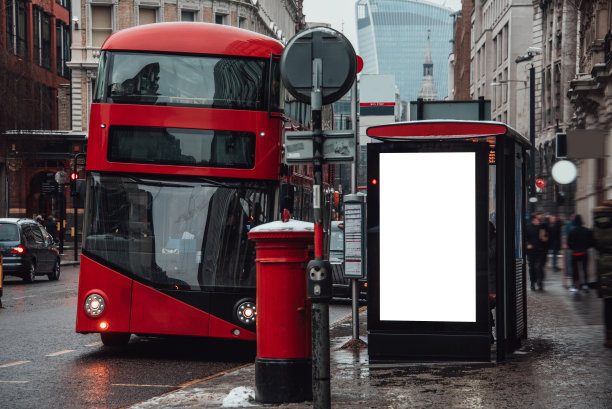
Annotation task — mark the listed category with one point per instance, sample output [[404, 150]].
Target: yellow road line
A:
[[13, 364], [93, 344], [65, 351]]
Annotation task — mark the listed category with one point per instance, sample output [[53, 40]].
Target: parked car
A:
[[341, 286], [27, 250]]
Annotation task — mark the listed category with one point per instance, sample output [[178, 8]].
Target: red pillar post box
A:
[[283, 365]]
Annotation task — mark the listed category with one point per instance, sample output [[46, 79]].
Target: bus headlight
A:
[[246, 311], [94, 305]]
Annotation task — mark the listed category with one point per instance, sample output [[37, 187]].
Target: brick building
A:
[[461, 52], [34, 87]]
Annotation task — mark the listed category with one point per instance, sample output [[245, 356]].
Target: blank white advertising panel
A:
[[428, 236]]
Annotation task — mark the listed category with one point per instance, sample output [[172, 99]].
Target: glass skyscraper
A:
[[392, 36]]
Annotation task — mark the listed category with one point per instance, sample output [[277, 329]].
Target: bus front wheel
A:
[[115, 339]]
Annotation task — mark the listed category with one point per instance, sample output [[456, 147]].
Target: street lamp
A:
[[531, 52]]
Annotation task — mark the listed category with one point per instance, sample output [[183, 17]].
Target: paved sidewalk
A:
[[562, 364], [67, 257]]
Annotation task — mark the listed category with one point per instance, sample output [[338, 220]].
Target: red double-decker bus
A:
[[184, 157]]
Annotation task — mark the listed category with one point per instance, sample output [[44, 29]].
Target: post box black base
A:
[[283, 380]]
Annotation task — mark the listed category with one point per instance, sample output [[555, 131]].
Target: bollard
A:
[[283, 363]]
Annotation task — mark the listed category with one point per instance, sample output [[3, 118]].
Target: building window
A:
[[62, 48], [188, 15], [64, 3], [41, 32], [16, 28], [496, 59], [505, 77], [220, 18], [146, 16], [101, 24], [242, 23]]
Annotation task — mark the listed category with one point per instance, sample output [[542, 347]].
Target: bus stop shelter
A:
[[446, 258]]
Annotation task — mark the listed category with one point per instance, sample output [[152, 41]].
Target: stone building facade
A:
[[590, 94], [554, 34], [501, 31], [94, 20]]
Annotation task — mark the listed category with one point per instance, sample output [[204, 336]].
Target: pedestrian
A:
[[602, 232], [40, 220], [554, 230], [51, 227], [567, 253], [536, 237], [580, 240]]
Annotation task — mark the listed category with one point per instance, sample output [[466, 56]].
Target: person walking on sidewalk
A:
[[602, 232], [554, 228], [536, 237], [580, 240]]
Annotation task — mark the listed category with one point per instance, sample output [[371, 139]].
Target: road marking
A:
[[144, 386], [13, 364], [65, 351], [25, 296], [1, 381], [93, 344]]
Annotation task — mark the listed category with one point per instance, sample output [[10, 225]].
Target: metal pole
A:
[[321, 397], [74, 204], [354, 282], [355, 164], [531, 189]]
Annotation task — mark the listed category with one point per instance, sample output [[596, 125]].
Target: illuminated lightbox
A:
[[428, 236]]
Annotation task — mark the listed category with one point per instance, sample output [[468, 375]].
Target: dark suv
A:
[[27, 250]]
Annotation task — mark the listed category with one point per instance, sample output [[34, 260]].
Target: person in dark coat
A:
[[536, 237], [580, 240], [51, 227], [554, 229], [602, 234]]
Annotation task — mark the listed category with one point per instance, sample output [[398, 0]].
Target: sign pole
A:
[[354, 173], [320, 310], [312, 49]]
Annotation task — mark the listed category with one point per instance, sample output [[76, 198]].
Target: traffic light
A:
[[73, 178], [561, 145]]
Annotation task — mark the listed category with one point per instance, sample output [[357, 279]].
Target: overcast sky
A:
[[341, 14]]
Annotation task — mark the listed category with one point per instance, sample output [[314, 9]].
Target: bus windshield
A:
[[170, 234], [225, 82]]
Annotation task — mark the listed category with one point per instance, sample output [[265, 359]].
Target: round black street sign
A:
[[339, 64]]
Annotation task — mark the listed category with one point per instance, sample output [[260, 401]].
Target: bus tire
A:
[[115, 339]]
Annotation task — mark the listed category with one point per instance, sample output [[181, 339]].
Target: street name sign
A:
[[337, 146]]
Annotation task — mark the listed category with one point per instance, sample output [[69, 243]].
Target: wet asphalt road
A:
[[45, 364]]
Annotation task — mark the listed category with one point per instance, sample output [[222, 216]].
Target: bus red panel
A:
[[192, 38], [116, 289], [268, 143], [156, 313], [223, 329]]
